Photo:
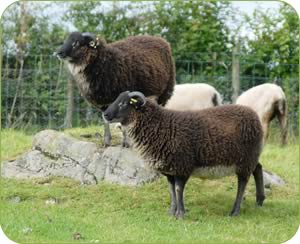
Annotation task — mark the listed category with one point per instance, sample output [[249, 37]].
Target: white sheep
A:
[[194, 96], [269, 101]]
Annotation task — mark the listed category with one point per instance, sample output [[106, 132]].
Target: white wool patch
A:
[[192, 97], [77, 72], [214, 172], [261, 99]]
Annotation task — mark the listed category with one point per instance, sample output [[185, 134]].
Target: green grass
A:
[[93, 130], [13, 143], [112, 213], [16, 142]]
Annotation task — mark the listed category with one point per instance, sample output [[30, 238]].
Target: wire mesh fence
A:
[[41, 94]]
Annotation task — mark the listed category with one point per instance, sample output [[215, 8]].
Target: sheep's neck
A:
[[150, 125], [102, 74]]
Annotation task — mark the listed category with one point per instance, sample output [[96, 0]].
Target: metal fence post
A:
[[70, 104], [235, 74]]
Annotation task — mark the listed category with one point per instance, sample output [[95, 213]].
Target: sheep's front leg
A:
[[125, 140], [180, 182], [173, 205], [107, 135]]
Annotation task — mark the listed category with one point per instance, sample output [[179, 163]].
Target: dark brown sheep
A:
[[208, 143], [102, 71]]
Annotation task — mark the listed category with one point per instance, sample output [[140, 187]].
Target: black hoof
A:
[[234, 213], [179, 215], [172, 211], [106, 144], [126, 145], [260, 201], [259, 204]]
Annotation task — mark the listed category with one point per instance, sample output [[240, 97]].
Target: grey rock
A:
[[124, 166], [36, 164], [15, 199], [57, 145], [56, 154], [272, 179], [26, 230], [96, 168], [51, 201]]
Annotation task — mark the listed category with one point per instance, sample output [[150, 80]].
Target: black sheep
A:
[[102, 71], [209, 143]]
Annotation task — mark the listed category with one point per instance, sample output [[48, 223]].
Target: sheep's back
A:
[[231, 121], [193, 96], [150, 64], [177, 142], [221, 136], [228, 135], [261, 98]]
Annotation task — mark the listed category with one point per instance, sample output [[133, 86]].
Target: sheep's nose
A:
[[59, 54]]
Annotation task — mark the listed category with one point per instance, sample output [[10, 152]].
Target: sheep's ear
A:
[[100, 42], [89, 39]]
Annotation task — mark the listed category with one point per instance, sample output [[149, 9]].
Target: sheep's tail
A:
[[282, 117], [282, 106], [217, 99], [168, 92]]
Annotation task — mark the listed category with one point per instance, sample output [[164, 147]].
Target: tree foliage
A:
[[276, 40], [198, 32], [273, 53], [190, 26]]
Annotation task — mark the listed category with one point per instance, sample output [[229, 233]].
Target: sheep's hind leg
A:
[[107, 135], [259, 182], [173, 205], [180, 182], [242, 182], [283, 127]]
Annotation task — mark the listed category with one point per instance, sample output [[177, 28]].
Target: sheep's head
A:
[[76, 46], [124, 106]]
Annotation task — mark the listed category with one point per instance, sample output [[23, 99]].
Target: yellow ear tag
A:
[[132, 101]]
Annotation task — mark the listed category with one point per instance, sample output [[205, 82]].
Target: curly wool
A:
[[177, 143], [142, 63]]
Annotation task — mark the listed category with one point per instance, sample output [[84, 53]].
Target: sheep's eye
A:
[[75, 44], [92, 43], [122, 105]]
